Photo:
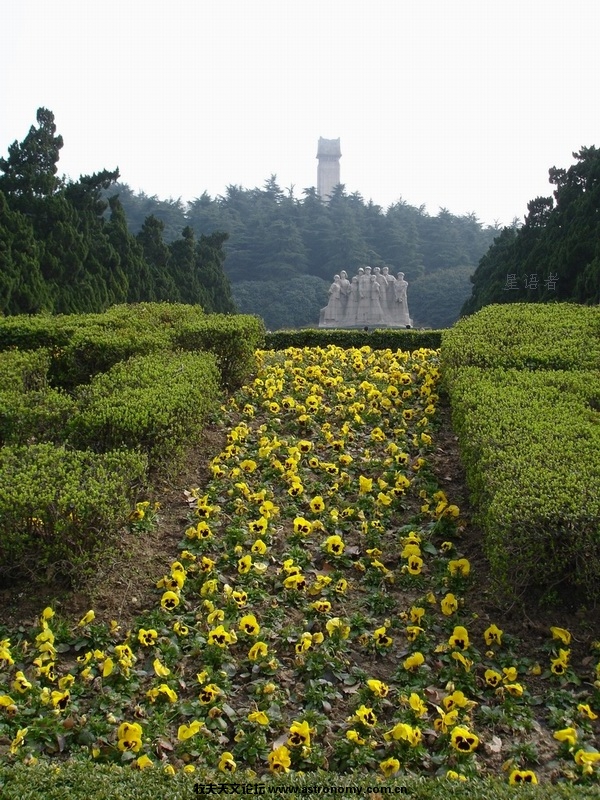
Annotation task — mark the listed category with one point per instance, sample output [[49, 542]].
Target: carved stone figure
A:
[[370, 299]]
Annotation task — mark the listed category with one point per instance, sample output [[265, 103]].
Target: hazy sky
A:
[[463, 104]]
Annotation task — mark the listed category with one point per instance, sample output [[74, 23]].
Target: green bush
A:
[[95, 349], [24, 370], [60, 508], [232, 338], [526, 336], [36, 416], [378, 339], [40, 330], [530, 443], [84, 780], [157, 404]]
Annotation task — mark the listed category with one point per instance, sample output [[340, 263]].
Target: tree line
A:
[[66, 247], [555, 255], [283, 250]]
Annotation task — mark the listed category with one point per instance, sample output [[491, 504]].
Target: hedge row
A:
[[157, 404], [84, 345], [79, 781], [526, 336], [525, 396], [378, 339], [24, 371], [60, 507]]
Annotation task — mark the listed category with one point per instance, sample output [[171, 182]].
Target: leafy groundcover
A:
[[317, 619]]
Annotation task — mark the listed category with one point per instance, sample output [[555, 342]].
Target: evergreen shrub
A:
[[526, 336], [530, 443], [157, 404], [35, 416], [377, 339], [232, 338], [94, 349], [61, 508], [24, 370]]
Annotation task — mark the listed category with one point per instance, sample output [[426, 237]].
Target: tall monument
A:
[[328, 171]]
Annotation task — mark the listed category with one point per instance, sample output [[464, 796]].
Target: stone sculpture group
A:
[[371, 299]]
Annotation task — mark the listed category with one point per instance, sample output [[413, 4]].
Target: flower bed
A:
[[318, 616]]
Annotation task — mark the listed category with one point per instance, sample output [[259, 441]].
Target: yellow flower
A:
[[415, 565], [587, 711], [302, 526], [321, 606], [492, 678], [455, 776], [209, 693], [89, 617], [18, 740], [365, 485], [317, 504], [169, 600], [259, 547], [20, 683], [129, 735], [147, 637], [227, 762], [378, 688], [416, 704], [259, 717], [334, 545], [258, 650], [299, 734], [414, 661], [245, 564], [219, 636], [492, 635], [587, 760], [249, 624], [381, 637], [459, 638], [522, 776], [185, 732], [366, 716], [160, 669], [510, 674], [561, 634], [354, 736], [463, 740], [449, 605], [389, 767], [567, 735], [336, 625], [514, 689], [459, 565], [404, 733], [169, 770], [279, 760]]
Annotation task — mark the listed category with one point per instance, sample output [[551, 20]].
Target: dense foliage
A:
[[64, 248], [525, 393], [556, 254], [283, 251]]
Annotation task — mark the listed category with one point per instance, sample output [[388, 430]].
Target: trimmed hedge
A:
[[95, 349], [24, 370], [525, 336], [530, 443], [377, 339], [157, 404], [232, 338], [84, 780], [59, 506], [36, 416]]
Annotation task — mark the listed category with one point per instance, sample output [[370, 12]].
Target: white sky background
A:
[[463, 104]]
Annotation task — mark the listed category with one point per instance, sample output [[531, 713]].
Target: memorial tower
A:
[[328, 171]]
